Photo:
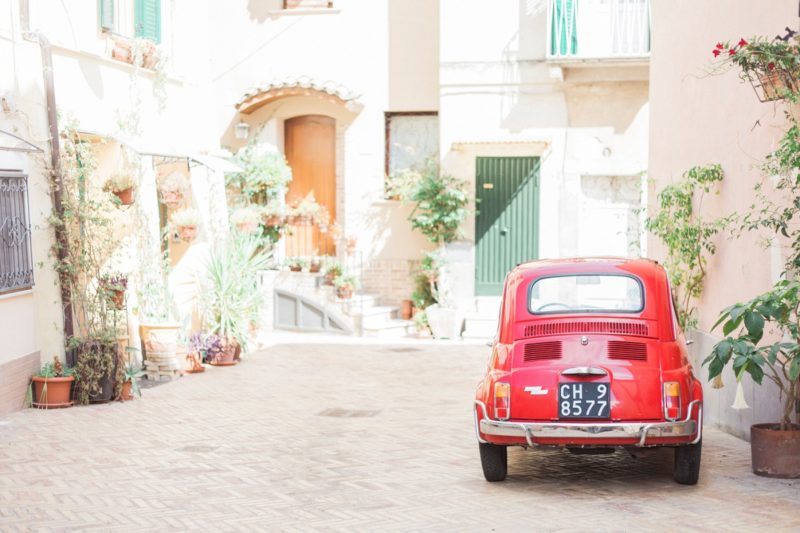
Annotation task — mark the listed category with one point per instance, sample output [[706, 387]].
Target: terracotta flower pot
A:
[[126, 196], [274, 220], [126, 394], [118, 298], [406, 309], [56, 393], [226, 357], [187, 233], [344, 292], [775, 453], [247, 227], [295, 268], [328, 279], [171, 199], [194, 364], [315, 267]]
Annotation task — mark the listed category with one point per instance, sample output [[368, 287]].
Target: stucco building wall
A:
[[698, 119]]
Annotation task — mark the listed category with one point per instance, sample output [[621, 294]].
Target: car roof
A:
[[594, 265]]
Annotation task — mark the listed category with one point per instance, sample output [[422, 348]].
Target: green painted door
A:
[[507, 222]]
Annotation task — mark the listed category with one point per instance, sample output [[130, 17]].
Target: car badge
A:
[[536, 391], [584, 340]]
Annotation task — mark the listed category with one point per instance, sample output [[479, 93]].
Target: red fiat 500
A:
[[589, 356]]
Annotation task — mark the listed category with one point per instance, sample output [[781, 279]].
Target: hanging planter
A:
[[185, 222], [773, 84], [122, 186], [114, 286], [172, 189]]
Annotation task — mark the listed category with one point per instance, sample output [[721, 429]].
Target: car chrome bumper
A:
[[583, 430]]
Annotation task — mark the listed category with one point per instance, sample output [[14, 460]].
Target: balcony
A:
[[615, 31]]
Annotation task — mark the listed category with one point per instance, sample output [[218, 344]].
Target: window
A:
[[307, 4], [145, 22], [411, 140], [586, 293], [16, 258]]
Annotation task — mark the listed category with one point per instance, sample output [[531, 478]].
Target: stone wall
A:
[[14, 379]]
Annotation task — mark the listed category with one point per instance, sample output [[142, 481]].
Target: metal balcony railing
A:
[[598, 29]]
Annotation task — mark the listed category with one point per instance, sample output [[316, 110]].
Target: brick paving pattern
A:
[[346, 437]]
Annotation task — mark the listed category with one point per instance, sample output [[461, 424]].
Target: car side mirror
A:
[[689, 342]]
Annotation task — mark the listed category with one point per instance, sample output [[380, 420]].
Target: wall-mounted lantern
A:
[[241, 130]]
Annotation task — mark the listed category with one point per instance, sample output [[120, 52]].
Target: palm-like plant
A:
[[230, 296]]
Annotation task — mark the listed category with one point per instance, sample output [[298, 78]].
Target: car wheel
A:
[[494, 460], [687, 463]]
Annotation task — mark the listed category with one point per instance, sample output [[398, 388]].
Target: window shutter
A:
[[147, 17], [106, 14]]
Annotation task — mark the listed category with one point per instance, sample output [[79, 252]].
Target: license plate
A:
[[584, 400]]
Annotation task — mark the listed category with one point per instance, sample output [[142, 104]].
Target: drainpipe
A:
[[56, 181]]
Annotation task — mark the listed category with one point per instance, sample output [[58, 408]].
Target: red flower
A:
[[771, 66], [715, 52], [731, 51], [719, 46], [742, 42]]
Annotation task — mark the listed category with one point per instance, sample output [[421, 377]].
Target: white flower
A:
[[738, 401]]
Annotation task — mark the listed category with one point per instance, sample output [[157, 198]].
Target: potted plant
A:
[[114, 285], [131, 372], [247, 219], [345, 286], [295, 264], [775, 446], [264, 177], [333, 270], [122, 186], [771, 65], [303, 213], [172, 189], [185, 223], [52, 386], [213, 349], [274, 214], [315, 265], [230, 298]]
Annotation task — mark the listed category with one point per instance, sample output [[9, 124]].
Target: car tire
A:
[[687, 463], [494, 460]]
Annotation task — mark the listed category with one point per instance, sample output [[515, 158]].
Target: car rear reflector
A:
[[502, 400], [672, 400], [536, 351], [636, 351]]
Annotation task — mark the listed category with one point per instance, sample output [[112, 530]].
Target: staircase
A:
[[482, 322]]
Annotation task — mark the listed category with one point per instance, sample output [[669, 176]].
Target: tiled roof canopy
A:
[[302, 86]]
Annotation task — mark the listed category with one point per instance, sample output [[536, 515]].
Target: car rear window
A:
[[586, 293]]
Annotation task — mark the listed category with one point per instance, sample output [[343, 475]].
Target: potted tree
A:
[[185, 223], [172, 189], [230, 298], [122, 186], [775, 446], [52, 386]]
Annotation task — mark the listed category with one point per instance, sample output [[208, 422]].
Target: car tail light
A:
[[502, 401], [672, 400]]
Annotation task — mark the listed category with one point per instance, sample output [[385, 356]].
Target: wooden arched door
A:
[[310, 148]]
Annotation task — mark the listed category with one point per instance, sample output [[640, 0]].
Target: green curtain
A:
[[564, 17]]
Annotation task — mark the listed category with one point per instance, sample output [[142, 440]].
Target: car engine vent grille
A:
[[639, 329], [537, 351], [636, 351]]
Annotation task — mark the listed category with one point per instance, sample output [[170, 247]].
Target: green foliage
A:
[[743, 325], [230, 296], [688, 237], [345, 282], [426, 288], [54, 369], [95, 362], [440, 202], [265, 175], [132, 372]]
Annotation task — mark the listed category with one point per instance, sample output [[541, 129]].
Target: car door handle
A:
[[503, 231]]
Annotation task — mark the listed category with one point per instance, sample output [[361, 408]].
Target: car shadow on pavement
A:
[[556, 465]]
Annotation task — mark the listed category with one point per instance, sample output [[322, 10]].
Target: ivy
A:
[[689, 238]]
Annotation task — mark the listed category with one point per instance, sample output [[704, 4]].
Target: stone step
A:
[[479, 326], [394, 328], [375, 316]]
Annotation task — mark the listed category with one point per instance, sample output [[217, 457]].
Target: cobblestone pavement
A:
[[346, 437]]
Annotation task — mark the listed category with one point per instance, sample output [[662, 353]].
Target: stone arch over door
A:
[[275, 103]]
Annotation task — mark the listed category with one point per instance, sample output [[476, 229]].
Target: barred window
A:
[[16, 258]]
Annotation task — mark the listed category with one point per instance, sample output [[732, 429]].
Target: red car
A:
[[589, 356]]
